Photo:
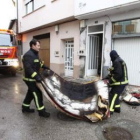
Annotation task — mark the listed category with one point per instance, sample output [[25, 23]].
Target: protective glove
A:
[[45, 67], [106, 77], [38, 78], [106, 81], [46, 72]]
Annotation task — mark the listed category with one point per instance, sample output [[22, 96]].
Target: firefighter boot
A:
[[118, 110], [43, 113], [27, 110], [111, 113]]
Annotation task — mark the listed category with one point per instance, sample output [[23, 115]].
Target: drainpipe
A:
[[17, 17]]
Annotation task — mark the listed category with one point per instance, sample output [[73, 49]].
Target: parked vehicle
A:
[[8, 52]]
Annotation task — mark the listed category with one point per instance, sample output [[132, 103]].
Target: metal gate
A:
[[93, 48], [129, 50], [69, 57]]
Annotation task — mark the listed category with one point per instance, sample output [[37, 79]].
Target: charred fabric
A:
[[88, 101], [83, 101]]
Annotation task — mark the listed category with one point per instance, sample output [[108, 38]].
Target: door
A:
[[69, 57], [129, 51], [44, 52], [93, 47]]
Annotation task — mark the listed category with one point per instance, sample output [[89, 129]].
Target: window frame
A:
[[27, 4]]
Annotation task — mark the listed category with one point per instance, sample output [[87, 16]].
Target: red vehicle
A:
[[8, 52]]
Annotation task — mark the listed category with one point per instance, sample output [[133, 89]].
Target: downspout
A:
[[17, 18]]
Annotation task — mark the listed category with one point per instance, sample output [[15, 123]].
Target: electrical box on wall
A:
[[82, 23], [56, 53], [56, 28], [82, 52]]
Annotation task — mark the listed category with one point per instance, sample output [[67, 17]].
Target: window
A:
[[29, 6], [126, 27], [7, 40], [97, 28]]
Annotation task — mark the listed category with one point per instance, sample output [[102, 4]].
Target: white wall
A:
[[38, 3], [126, 15], [87, 6], [49, 13], [107, 37], [108, 30], [66, 31]]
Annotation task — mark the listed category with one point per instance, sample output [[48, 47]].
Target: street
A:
[[14, 125]]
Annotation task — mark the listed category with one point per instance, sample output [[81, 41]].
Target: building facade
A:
[[77, 35], [53, 24], [106, 26]]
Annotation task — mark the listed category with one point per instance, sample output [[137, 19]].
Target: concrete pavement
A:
[[14, 125]]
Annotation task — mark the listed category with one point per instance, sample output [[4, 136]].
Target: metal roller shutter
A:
[[129, 51]]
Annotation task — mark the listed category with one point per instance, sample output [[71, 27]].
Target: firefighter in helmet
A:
[[117, 80]]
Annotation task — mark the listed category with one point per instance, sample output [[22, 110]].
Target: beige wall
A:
[[69, 30], [76, 71], [59, 69]]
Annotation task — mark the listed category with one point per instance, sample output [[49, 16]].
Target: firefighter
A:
[[32, 65], [118, 79]]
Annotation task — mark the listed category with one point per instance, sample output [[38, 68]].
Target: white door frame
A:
[[92, 51], [87, 46], [69, 61]]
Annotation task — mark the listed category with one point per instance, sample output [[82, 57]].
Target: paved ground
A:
[[17, 126]]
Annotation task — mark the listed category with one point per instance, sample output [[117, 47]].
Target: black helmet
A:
[[113, 55]]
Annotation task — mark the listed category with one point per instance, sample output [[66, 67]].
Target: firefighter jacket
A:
[[118, 73], [32, 65]]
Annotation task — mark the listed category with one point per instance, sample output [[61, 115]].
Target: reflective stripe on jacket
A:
[[118, 73], [32, 65]]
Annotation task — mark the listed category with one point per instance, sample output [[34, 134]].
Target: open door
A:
[[44, 52], [93, 51]]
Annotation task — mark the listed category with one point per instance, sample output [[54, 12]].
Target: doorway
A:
[[94, 51], [44, 52]]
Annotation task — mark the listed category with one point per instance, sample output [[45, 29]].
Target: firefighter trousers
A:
[[33, 93], [114, 97]]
